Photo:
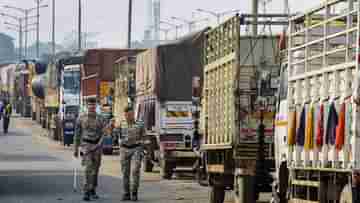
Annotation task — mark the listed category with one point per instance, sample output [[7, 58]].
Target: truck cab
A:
[[70, 100], [171, 126]]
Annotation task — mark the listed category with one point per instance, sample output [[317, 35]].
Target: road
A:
[[35, 169]]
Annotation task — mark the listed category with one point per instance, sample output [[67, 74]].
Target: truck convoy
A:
[[164, 101], [317, 127], [238, 109]]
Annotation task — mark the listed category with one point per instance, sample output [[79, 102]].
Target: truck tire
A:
[[166, 169], [217, 194], [346, 194], [147, 165]]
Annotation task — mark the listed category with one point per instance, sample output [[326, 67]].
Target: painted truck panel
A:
[[99, 67]]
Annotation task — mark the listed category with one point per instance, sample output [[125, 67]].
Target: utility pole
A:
[[130, 24], [255, 8], [26, 12], [18, 28], [38, 28], [286, 11], [79, 27], [26, 32], [20, 38], [175, 26], [53, 31]]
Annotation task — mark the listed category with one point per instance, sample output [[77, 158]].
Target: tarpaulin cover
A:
[[167, 71]]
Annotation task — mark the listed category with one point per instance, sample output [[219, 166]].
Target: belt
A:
[[130, 146], [91, 141]]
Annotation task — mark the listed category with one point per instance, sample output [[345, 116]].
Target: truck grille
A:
[[172, 138]]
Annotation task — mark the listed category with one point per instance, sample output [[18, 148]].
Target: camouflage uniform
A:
[[88, 134], [131, 149]]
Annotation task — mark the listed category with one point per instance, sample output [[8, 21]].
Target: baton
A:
[[75, 182]]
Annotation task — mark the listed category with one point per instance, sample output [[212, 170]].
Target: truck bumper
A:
[[181, 158], [180, 154]]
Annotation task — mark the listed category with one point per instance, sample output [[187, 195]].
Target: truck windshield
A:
[[72, 81]]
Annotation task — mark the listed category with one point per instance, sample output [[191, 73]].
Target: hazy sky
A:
[[108, 18]]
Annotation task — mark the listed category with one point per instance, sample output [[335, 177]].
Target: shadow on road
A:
[[25, 158], [11, 133], [46, 186]]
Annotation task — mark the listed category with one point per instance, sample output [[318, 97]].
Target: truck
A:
[[62, 97], [69, 100], [7, 74], [316, 134], [124, 89], [240, 81], [23, 91], [99, 73], [164, 76]]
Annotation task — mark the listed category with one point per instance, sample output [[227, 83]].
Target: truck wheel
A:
[[147, 165], [217, 194], [346, 195], [166, 170]]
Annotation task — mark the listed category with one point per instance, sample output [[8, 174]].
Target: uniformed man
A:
[[88, 136], [7, 114], [131, 149]]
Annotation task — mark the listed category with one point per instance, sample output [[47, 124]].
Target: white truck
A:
[[69, 100], [317, 130]]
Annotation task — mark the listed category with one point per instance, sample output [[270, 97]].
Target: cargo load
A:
[[167, 71]]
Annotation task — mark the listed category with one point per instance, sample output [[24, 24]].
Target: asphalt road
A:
[[35, 169]]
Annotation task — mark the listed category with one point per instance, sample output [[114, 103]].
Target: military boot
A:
[[126, 197], [86, 196], [134, 196], [93, 194]]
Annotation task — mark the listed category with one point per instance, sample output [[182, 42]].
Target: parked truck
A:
[[163, 100], [317, 127], [62, 97], [23, 89], [98, 81], [124, 90], [98, 73], [70, 97], [238, 109]]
